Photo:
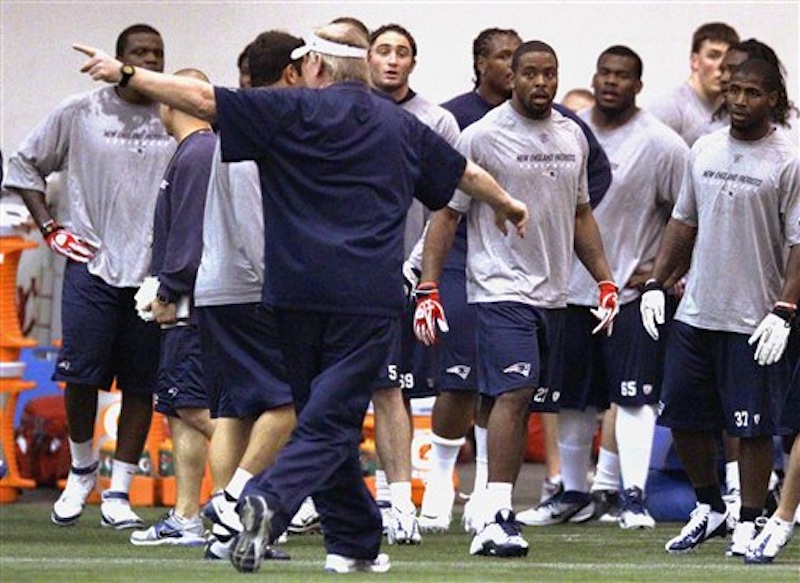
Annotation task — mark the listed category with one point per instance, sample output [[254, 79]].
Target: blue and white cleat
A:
[[69, 506], [500, 538], [171, 530], [703, 524], [116, 512], [774, 535]]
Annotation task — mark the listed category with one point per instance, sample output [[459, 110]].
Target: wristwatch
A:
[[127, 72]]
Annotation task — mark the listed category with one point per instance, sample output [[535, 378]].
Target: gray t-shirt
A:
[[232, 264], [443, 123], [114, 154], [542, 163], [647, 163], [687, 113], [744, 199]]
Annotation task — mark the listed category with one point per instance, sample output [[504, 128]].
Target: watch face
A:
[[127, 69]]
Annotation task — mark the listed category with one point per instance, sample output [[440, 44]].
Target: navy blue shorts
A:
[[711, 382], [242, 362], [517, 348], [457, 352], [103, 336], [180, 377], [790, 415], [624, 368], [410, 365]]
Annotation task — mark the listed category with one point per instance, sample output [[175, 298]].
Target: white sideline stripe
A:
[[406, 565]]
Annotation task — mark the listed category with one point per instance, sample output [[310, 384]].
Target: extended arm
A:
[[481, 186], [187, 94]]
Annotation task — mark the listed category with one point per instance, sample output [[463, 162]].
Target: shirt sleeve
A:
[[685, 210], [442, 167], [248, 120], [43, 151], [790, 200]]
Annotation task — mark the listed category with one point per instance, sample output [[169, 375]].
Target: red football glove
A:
[[69, 244], [608, 308], [429, 316]]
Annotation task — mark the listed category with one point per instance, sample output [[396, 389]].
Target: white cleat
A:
[[341, 564], [500, 538], [69, 506], [403, 528], [436, 512], [116, 512]]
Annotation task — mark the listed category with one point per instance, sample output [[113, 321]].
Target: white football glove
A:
[[651, 307], [773, 333]]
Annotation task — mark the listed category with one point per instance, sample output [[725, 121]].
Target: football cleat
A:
[[436, 512], [634, 513], [703, 524], [571, 506], [221, 510], [403, 527], [171, 530], [307, 520], [500, 538], [385, 508], [340, 564], [476, 512], [742, 535], [551, 486], [116, 512], [733, 502], [251, 545], [607, 505], [69, 506], [766, 545]]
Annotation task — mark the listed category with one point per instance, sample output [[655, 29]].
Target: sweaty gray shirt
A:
[[647, 163], [542, 163], [744, 199], [687, 113], [114, 154], [232, 264]]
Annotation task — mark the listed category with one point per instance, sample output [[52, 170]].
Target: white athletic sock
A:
[[498, 497], [575, 432], [122, 475], [382, 487], [83, 454], [606, 476], [400, 494], [634, 430], [443, 456], [238, 482], [481, 459], [732, 476]]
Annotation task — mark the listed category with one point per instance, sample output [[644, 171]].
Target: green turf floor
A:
[[32, 549]]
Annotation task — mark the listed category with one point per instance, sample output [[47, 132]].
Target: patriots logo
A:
[[523, 368], [461, 370], [757, 418], [647, 389], [556, 396], [736, 158], [64, 365]]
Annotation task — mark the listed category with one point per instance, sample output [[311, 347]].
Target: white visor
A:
[[326, 47]]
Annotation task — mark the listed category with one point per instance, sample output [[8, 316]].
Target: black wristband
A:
[[49, 227], [785, 312], [652, 285]]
